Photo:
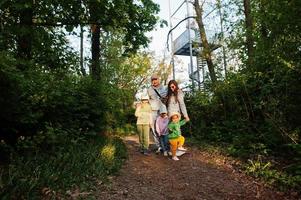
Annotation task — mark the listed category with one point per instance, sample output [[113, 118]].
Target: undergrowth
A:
[[39, 169], [270, 169]]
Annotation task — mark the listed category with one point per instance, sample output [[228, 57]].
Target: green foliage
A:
[[255, 111], [68, 163], [51, 98], [51, 117], [49, 131], [250, 115], [284, 181]]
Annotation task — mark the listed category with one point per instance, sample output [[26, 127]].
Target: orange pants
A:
[[175, 143]]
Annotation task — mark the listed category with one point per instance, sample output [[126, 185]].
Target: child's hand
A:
[[187, 119]]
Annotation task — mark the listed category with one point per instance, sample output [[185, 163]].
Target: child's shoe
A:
[[158, 150], [145, 152], [165, 153], [182, 149], [175, 158]]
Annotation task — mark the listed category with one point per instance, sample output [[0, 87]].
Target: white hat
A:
[[163, 109], [174, 113]]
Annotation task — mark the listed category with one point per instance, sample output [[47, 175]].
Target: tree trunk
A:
[[82, 69], [95, 68], [219, 5], [249, 32], [207, 51], [95, 40], [24, 39]]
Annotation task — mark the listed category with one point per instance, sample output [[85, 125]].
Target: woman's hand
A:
[[187, 119]]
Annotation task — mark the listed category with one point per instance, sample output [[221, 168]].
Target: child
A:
[[162, 130], [144, 120], [176, 140]]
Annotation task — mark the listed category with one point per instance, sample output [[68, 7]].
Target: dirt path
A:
[[194, 176]]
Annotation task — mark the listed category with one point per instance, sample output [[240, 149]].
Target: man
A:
[[155, 92]]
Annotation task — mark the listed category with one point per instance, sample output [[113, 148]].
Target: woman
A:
[[175, 100]]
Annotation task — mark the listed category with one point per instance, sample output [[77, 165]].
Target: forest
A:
[[61, 120]]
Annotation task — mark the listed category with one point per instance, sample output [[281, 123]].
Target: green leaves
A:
[[69, 163]]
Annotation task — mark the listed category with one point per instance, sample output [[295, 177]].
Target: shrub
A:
[[71, 162]]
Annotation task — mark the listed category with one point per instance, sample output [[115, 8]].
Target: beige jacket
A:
[[144, 113]]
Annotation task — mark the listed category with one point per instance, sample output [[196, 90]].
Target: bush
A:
[[250, 115], [50, 127], [71, 162]]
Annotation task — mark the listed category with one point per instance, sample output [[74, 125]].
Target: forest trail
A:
[[196, 176]]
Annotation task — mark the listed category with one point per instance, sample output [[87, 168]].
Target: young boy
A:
[[144, 121], [162, 130], [176, 140]]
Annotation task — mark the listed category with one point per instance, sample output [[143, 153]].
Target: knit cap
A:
[[163, 109]]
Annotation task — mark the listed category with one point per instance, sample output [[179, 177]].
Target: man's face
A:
[[155, 82]]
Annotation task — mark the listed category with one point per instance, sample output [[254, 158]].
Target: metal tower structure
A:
[[189, 44]]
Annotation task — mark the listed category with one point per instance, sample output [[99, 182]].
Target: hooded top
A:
[[144, 113], [162, 123]]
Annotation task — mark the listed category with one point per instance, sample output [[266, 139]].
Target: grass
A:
[[253, 163], [73, 164]]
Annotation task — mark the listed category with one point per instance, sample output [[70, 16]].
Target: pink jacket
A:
[[161, 125]]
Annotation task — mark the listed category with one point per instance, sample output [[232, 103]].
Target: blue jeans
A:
[[164, 142]]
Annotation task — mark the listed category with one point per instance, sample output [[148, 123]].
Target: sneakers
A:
[[175, 158], [145, 152], [165, 153], [182, 149], [158, 150]]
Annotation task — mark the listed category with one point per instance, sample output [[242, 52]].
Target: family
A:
[[159, 112]]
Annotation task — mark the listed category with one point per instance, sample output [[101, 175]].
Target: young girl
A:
[[144, 121], [176, 140], [162, 130]]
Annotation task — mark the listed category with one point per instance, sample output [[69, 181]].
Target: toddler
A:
[[176, 140], [162, 130]]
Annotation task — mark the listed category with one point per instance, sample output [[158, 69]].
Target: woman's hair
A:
[[170, 92]]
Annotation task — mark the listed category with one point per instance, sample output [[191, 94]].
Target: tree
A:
[[207, 52], [24, 40], [249, 32], [164, 70], [82, 68], [132, 19]]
